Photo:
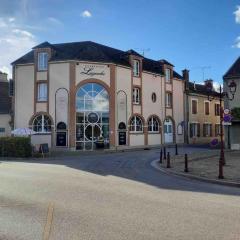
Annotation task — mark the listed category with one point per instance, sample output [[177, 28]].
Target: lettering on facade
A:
[[93, 70]]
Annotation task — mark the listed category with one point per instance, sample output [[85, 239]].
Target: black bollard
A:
[[168, 160], [186, 163], [164, 153], [160, 160], [176, 149]]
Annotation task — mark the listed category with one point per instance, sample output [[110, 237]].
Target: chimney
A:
[[209, 84], [185, 74], [3, 77]]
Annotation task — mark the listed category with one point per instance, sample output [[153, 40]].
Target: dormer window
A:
[[136, 68], [168, 75], [42, 61]]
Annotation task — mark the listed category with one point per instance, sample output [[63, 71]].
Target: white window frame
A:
[[42, 61], [151, 124], [193, 99], [42, 125], [215, 109], [219, 128], [136, 68], [2, 130], [208, 132], [136, 95], [206, 101], [168, 75], [195, 129], [168, 103], [42, 92], [134, 124]]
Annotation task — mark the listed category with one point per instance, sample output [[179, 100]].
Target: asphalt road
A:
[[112, 196]]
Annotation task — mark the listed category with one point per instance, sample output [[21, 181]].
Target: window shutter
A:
[[204, 130], [198, 129], [211, 130], [191, 130]]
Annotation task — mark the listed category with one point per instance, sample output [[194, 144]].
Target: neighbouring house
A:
[[202, 112], [5, 106], [85, 95], [232, 132]]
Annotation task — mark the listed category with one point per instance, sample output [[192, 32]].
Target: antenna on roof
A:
[[203, 68], [143, 50]]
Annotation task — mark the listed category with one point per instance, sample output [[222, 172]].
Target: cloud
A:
[[11, 19], [237, 43], [86, 14], [237, 15], [14, 42], [55, 21]]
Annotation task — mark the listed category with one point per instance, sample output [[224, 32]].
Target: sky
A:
[[202, 36]]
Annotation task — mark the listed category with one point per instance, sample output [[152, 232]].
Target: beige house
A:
[[87, 96], [5, 106], [202, 113]]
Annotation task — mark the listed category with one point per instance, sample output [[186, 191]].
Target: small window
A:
[[42, 124], [207, 130], [168, 99], [168, 75], [154, 97], [42, 61], [136, 96], [194, 106], [217, 109], [217, 130], [136, 68], [42, 92], [207, 108], [153, 124], [136, 124], [2, 130]]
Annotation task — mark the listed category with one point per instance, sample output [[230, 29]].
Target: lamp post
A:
[[232, 87]]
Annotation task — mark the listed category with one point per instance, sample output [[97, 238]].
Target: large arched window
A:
[[92, 116], [136, 124], [42, 124], [153, 124]]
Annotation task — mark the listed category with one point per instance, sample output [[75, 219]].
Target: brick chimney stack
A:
[[185, 74]]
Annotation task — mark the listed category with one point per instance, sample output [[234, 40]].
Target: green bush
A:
[[15, 147]]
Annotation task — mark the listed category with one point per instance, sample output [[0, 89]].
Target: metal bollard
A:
[[160, 160], [186, 163], [168, 160], [164, 153], [176, 149]]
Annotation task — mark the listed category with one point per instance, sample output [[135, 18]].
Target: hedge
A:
[[15, 147]]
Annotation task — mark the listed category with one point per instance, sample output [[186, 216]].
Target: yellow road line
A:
[[47, 228]]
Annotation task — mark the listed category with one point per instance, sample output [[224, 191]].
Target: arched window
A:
[[136, 124], [153, 124], [42, 124]]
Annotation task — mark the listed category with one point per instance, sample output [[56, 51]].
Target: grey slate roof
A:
[[234, 70], [94, 52], [201, 89], [5, 100]]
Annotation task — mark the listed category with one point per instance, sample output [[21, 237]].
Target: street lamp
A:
[[232, 87]]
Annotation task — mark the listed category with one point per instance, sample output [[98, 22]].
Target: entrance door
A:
[[168, 131], [61, 139], [61, 135], [122, 135]]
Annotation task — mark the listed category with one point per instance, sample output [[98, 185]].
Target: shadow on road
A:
[[136, 166]]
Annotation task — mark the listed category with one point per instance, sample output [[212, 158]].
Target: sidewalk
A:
[[205, 166]]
